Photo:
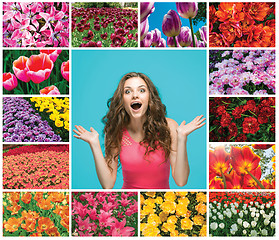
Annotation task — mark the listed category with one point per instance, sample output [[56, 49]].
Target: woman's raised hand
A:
[[185, 129], [87, 136]]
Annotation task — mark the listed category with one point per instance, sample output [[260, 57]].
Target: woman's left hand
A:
[[185, 129]]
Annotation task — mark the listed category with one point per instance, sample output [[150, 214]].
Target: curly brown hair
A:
[[157, 132]]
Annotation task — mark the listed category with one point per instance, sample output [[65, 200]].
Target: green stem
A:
[[256, 180], [192, 31], [174, 40], [224, 180], [38, 87]]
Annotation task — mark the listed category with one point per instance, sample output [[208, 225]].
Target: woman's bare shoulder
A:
[[172, 124]]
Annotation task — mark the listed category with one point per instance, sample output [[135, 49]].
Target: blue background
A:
[[180, 77]]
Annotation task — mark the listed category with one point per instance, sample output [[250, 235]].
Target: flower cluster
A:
[[242, 24], [173, 214], [242, 72], [35, 214], [35, 24], [105, 214], [36, 167], [21, 123], [177, 35], [242, 168], [242, 119], [104, 27], [55, 111], [242, 214], [49, 68]]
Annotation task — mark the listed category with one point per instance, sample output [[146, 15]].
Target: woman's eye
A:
[[127, 91], [142, 90]]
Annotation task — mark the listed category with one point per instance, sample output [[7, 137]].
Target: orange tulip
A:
[[44, 224], [45, 204], [12, 224], [26, 198]]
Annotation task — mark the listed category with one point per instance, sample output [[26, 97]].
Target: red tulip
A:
[[53, 54], [52, 90], [20, 70], [9, 81], [65, 70]]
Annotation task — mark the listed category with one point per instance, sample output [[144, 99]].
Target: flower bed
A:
[[36, 167], [35, 214], [21, 123], [242, 214], [242, 24], [105, 214], [242, 167], [173, 214], [242, 119], [241, 72], [35, 24]]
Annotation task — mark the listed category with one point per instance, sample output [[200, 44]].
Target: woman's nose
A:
[[135, 94]]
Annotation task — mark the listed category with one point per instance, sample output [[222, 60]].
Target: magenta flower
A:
[[65, 70], [147, 41], [185, 37], [146, 8], [53, 54], [202, 31], [171, 43], [52, 90], [187, 9], [144, 27], [9, 81], [118, 229], [20, 70], [39, 67], [171, 25]]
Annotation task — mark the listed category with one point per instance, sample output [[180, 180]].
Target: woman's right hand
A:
[[83, 134]]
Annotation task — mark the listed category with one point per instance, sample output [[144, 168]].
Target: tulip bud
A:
[[171, 24], [9, 81], [146, 8], [144, 27], [185, 37], [187, 9]]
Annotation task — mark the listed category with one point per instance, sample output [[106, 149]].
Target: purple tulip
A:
[[144, 27], [162, 43], [146, 42], [187, 9], [203, 34], [185, 37], [156, 37], [146, 8], [171, 42], [201, 44], [171, 24]]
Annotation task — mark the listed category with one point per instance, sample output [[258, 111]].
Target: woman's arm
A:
[[106, 177], [178, 156]]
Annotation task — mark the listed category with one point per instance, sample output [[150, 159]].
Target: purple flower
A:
[[171, 24], [146, 8], [185, 37], [156, 37], [144, 27], [187, 9]]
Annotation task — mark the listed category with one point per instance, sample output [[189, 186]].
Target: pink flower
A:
[[39, 67], [65, 70], [53, 54], [118, 229], [20, 70], [9, 81], [52, 90]]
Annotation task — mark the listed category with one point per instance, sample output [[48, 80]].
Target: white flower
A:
[[219, 207], [254, 233], [214, 202], [267, 205], [266, 222], [232, 232], [210, 214], [256, 219], [214, 211], [245, 212], [262, 212], [234, 227], [214, 217], [253, 214], [262, 206], [214, 225], [264, 232], [221, 225], [225, 205], [239, 221], [257, 215], [241, 214], [246, 224], [244, 232], [257, 203], [221, 217], [229, 214], [253, 224], [272, 225]]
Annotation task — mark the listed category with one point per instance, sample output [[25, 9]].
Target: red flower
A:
[[250, 125], [226, 120], [237, 112]]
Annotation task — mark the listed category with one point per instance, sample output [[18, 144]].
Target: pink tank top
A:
[[151, 172]]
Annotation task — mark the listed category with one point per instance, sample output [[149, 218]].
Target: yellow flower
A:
[[201, 197], [181, 194], [168, 227], [150, 194], [203, 231], [154, 220], [198, 220], [146, 210], [141, 199], [181, 210], [172, 219], [170, 196], [201, 208], [163, 216], [184, 201], [150, 202], [58, 123], [186, 224], [168, 206], [183, 235], [150, 231], [159, 200], [174, 233]]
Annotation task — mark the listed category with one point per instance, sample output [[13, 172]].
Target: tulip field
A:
[[242, 119], [35, 119], [44, 72], [242, 214], [171, 31], [237, 24], [174, 214], [36, 167], [104, 27], [35, 214], [242, 72], [104, 214], [35, 24], [242, 167]]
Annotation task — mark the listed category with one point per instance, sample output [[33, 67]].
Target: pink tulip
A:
[[53, 54], [52, 90], [9, 81], [65, 70], [39, 67], [20, 70]]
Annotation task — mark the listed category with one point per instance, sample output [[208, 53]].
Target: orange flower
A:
[[44, 224], [201, 208], [56, 197], [230, 31], [256, 10], [36, 235], [30, 215], [217, 40], [29, 225], [65, 221], [14, 197], [45, 204], [26, 198], [230, 11], [53, 232], [234, 181], [218, 161], [14, 208], [61, 210], [212, 17], [12, 224], [216, 183], [38, 196], [249, 182]]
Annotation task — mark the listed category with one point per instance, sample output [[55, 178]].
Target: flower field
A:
[[35, 119], [170, 31], [242, 119], [105, 214], [242, 72], [242, 24], [35, 24], [173, 214], [36, 167], [242, 167], [242, 214], [104, 26], [35, 214], [44, 72]]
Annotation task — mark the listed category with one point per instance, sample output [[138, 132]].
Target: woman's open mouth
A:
[[136, 105]]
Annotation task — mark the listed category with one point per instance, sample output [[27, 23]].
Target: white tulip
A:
[[256, 219], [257, 215], [225, 205], [232, 232], [253, 214], [262, 206], [214, 217], [254, 233], [239, 221], [262, 212], [241, 214], [264, 232], [266, 222], [234, 227], [214, 226], [267, 205], [221, 225], [246, 224], [214, 211], [272, 225], [253, 224], [221, 217], [244, 232]]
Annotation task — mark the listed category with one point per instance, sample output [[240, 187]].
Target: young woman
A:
[[138, 133]]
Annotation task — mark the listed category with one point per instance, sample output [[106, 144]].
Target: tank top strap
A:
[[126, 139]]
